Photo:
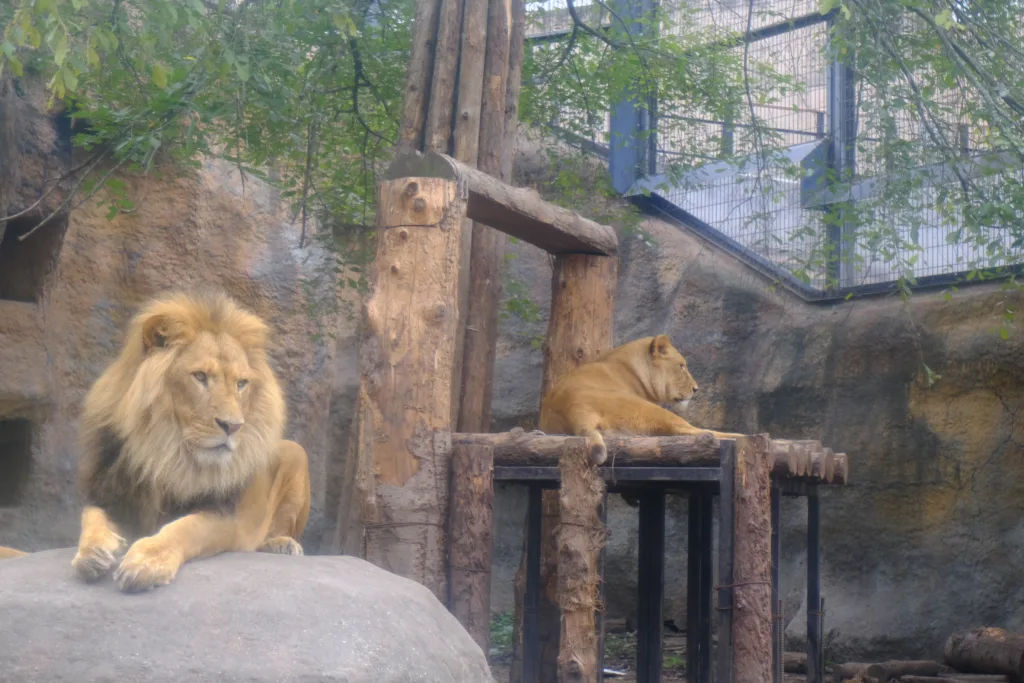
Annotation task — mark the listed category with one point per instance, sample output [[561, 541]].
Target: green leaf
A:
[[70, 79], [159, 75], [1004, 333], [243, 71], [16, 67], [945, 19]]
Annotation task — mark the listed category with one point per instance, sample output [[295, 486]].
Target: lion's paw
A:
[[147, 564], [97, 557], [281, 545]]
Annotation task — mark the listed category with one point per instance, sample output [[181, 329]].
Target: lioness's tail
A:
[[10, 553]]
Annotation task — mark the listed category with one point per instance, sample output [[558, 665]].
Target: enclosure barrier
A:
[[405, 435]]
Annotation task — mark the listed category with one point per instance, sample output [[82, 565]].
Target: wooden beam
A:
[[406, 360], [519, 448], [752, 563], [518, 212], [421, 65], [438, 133], [470, 532], [580, 539]]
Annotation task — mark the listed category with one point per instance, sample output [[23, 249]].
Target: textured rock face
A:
[[237, 617], [927, 538], [193, 229]]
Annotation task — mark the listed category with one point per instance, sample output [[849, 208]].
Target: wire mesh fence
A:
[[739, 172]]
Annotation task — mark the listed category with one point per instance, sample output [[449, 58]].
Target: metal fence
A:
[[736, 182]]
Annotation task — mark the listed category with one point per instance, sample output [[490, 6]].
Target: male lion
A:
[[619, 392], [182, 448]]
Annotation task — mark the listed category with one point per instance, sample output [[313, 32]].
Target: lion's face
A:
[[670, 375], [211, 383]]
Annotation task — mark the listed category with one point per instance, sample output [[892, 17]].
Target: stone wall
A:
[[89, 274], [926, 537]]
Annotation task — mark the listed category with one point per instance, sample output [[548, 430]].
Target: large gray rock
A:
[[236, 617]]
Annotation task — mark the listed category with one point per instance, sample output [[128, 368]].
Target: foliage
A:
[[502, 636]]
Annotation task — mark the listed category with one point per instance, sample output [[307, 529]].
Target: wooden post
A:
[[421, 65], [752, 563], [580, 539], [407, 360], [470, 533]]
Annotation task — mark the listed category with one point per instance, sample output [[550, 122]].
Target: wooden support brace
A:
[[515, 211], [470, 540]]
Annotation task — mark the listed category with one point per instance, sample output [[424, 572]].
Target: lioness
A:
[[620, 392], [182, 448]]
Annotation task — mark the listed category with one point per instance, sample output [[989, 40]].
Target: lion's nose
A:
[[230, 426], [695, 387]]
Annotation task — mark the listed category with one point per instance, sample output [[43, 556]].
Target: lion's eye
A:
[[199, 377], [242, 384]]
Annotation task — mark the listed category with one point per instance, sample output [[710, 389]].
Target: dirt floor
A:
[[620, 655]]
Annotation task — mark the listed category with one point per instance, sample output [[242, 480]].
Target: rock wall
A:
[[926, 537]]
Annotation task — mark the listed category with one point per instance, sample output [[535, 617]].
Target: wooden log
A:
[[406, 361], [484, 266], [957, 678], [520, 448], [752, 564], [519, 212], [421, 65], [891, 670], [470, 540], [466, 147], [581, 536], [794, 662], [513, 82], [438, 133], [987, 650]]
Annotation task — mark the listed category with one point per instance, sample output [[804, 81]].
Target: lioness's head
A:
[[670, 377], [192, 391]]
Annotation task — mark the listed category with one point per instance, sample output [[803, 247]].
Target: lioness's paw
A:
[[148, 563], [598, 454], [98, 556], [281, 545]]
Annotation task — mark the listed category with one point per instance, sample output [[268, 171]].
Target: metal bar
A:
[[600, 613], [726, 548], [650, 586], [531, 599], [815, 667], [610, 474], [777, 632], [698, 587]]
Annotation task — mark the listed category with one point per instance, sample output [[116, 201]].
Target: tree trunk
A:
[[470, 534], [581, 536], [987, 651], [421, 64], [438, 133], [407, 360], [752, 605]]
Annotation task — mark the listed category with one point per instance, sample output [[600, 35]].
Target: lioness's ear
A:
[[660, 345], [160, 330]]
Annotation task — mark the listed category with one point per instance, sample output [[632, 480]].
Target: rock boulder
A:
[[236, 617]]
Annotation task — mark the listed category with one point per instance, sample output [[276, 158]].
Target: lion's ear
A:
[[160, 330], [660, 345]]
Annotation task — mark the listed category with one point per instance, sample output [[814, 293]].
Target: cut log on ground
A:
[[470, 532], [581, 535], [794, 662], [515, 211], [957, 678], [987, 651], [891, 670]]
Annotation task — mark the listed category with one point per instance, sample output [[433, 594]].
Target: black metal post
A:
[[842, 112], [600, 612], [531, 599], [726, 539], [815, 667], [650, 586], [698, 587], [777, 651]]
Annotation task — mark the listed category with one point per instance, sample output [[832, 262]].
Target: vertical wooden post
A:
[[407, 361], [580, 328], [580, 539], [650, 586], [726, 556], [699, 581], [421, 65], [777, 631], [470, 540], [752, 563], [498, 116], [814, 665]]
